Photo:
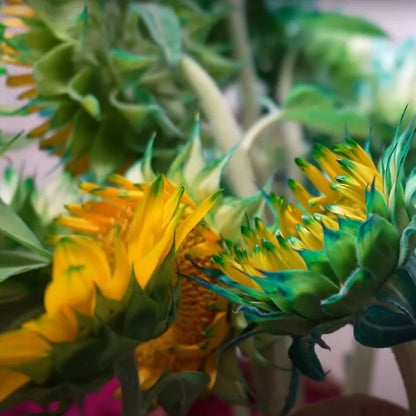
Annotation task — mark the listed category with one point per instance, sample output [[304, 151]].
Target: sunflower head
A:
[[344, 254], [116, 285], [105, 75]]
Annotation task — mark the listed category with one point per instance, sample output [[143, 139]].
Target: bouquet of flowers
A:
[[221, 207]]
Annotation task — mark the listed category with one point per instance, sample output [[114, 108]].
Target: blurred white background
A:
[[398, 19]]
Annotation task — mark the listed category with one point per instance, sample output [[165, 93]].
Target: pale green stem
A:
[[406, 360], [272, 384], [359, 370], [292, 133], [242, 51], [257, 129], [227, 133], [127, 372]]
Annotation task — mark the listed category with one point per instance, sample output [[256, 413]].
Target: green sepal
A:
[[378, 246], [176, 392], [38, 370], [54, 70], [150, 311], [81, 89], [339, 247], [126, 61], [144, 113], [230, 384], [375, 202], [17, 262], [84, 128], [350, 226], [399, 290], [277, 323], [106, 155], [398, 211], [303, 355], [318, 262], [354, 294], [407, 242], [410, 193], [303, 289], [13, 227], [380, 327], [163, 27]]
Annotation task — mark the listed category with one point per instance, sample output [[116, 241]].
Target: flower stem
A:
[[359, 370], [127, 372], [406, 360], [242, 51], [226, 131]]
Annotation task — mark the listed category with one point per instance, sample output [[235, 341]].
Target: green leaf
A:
[[337, 23], [380, 327], [378, 245], [303, 355], [315, 109], [339, 247], [17, 230], [18, 262], [164, 28]]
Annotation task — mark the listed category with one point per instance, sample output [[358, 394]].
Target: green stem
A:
[[359, 370], [128, 374], [226, 131], [406, 360], [272, 384], [242, 51], [257, 129]]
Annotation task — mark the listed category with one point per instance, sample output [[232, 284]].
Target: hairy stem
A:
[[242, 51], [406, 360], [359, 370], [127, 372], [226, 131]]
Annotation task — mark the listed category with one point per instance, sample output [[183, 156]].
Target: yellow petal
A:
[[10, 381], [20, 346], [194, 218]]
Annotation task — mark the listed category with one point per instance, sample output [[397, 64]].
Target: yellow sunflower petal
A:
[[10, 381]]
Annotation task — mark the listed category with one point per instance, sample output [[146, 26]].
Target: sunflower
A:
[[104, 70], [115, 285], [343, 255]]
